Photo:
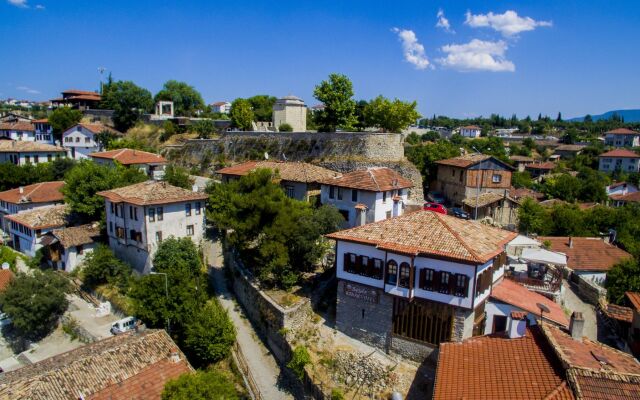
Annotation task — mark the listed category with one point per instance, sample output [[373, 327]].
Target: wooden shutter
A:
[[345, 264], [422, 280], [466, 286], [436, 281], [452, 283]]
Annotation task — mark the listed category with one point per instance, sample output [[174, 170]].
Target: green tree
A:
[[241, 114], [262, 106], [200, 385], [285, 128], [60, 166], [187, 101], [35, 302], [390, 116], [564, 187], [204, 128], [209, 335], [88, 178], [105, 138], [339, 107], [177, 176], [101, 266], [180, 261], [521, 180], [63, 118], [568, 220], [299, 359], [424, 157], [623, 277], [128, 102], [533, 218]]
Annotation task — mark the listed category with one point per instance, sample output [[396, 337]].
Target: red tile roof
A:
[[521, 193], [543, 165], [287, 171], [521, 159], [151, 192], [623, 131], [41, 121], [620, 153], [376, 179], [471, 127], [431, 234], [510, 292], [97, 128], [634, 298], [5, 277], [602, 385], [130, 157], [44, 192], [20, 146], [42, 217], [464, 161], [17, 126], [586, 254], [620, 313], [80, 92], [497, 367], [633, 197]]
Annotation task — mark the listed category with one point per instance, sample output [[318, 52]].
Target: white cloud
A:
[[477, 55], [28, 90], [18, 3], [39, 7], [508, 24], [412, 50], [443, 22]]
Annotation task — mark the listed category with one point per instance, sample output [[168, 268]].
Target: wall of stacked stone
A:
[[589, 291]]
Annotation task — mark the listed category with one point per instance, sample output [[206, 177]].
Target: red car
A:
[[435, 207]]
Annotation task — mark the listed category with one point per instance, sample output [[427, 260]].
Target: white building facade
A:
[[27, 228], [619, 160], [140, 216], [22, 153], [471, 131], [80, 140], [622, 137], [290, 110], [29, 197]]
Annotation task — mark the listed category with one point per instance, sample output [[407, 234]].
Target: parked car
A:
[[435, 207], [459, 213], [123, 325], [436, 197], [4, 320]]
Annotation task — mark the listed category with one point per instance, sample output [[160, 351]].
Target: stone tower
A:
[[290, 110]]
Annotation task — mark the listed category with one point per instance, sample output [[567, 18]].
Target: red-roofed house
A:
[[408, 283], [471, 131], [80, 99], [23, 131], [619, 159], [32, 196], [223, 107], [80, 140], [150, 163], [367, 195], [622, 137]]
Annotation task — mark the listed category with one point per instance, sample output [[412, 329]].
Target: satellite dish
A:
[[543, 309], [5, 265]]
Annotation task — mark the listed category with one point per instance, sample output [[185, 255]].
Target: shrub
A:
[[285, 128], [299, 359], [201, 385]]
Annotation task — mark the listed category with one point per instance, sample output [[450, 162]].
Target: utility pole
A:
[[101, 71]]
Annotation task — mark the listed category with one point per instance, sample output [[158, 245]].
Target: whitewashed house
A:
[[29, 197], [140, 216], [223, 107], [408, 283], [80, 140], [43, 131], [622, 137], [367, 195], [471, 131], [27, 228], [619, 160], [151, 164], [66, 248], [621, 188], [19, 130], [21, 152]]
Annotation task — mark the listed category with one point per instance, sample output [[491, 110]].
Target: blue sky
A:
[[521, 57]]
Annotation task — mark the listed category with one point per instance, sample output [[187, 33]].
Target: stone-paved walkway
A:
[[574, 303], [263, 366]]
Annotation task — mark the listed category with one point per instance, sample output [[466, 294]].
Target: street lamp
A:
[[166, 291], [475, 214]]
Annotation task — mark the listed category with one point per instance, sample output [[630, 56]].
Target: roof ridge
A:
[[34, 189], [374, 178], [552, 395], [457, 236]]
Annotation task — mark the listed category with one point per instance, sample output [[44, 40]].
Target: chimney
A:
[[174, 356], [576, 325], [517, 324], [21, 190], [570, 242]]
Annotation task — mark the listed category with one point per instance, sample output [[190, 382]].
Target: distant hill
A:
[[628, 115]]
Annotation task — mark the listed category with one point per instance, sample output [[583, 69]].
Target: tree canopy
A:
[[262, 106], [390, 116], [177, 176], [128, 101], [187, 101], [209, 335], [34, 302], [13, 176], [623, 277], [63, 118], [88, 178], [241, 114], [339, 108], [200, 385], [101, 266]]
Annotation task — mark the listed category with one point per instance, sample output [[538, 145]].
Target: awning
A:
[[543, 256]]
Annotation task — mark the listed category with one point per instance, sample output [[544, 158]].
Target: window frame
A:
[[404, 275], [190, 230], [391, 265]]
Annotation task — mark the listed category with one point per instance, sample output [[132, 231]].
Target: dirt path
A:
[[574, 303], [263, 366]]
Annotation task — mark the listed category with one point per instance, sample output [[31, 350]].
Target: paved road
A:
[[263, 366], [573, 303]]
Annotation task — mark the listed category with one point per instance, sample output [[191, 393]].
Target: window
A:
[[289, 191], [462, 285], [27, 159], [453, 172], [340, 190], [135, 213], [426, 279], [160, 212], [152, 214], [87, 140], [332, 192], [444, 282], [350, 261], [392, 272], [461, 175], [111, 227], [364, 265], [36, 159], [132, 234], [111, 207], [496, 178], [77, 140], [354, 195], [405, 275], [187, 209], [120, 232], [384, 197], [158, 236], [388, 214], [130, 212], [198, 208], [376, 270], [79, 249], [189, 230], [117, 213]]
